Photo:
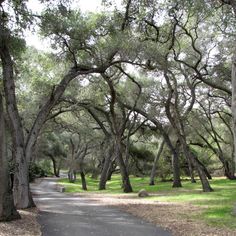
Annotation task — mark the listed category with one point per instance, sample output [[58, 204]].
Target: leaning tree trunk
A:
[[7, 209], [153, 172], [105, 169], [204, 168], [202, 175], [192, 159], [22, 196], [127, 188]]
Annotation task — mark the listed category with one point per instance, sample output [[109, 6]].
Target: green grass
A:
[[219, 204]]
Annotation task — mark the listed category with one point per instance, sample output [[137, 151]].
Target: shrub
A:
[[35, 171]]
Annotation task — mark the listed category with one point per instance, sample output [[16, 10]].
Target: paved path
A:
[[65, 215]]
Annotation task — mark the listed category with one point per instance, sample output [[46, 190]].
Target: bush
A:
[[46, 166], [35, 171], [40, 169]]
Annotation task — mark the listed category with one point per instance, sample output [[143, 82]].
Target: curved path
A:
[[65, 215]]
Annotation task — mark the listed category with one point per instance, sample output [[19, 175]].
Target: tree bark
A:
[[22, 195], [8, 211], [58, 168], [233, 106], [127, 188], [111, 169], [105, 169], [202, 175], [83, 180], [72, 176], [175, 166], [229, 171], [81, 166], [23, 150], [229, 168], [232, 3], [191, 171], [204, 168], [175, 158], [54, 164], [153, 172]]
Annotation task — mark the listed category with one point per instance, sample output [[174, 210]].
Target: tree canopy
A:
[[147, 88]]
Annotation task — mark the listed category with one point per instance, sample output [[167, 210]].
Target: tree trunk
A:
[[105, 169], [192, 160], [229, 171], [54, 164], [7, 209], [175, 166], [72, 176], [233, 82], [22, 195], [204, 168], [202, 175], [54, 167], [110, 172], [191, 170], [23, 150], [153, 172], [21, 189], [175, 159], [58, 168], [111, 169], [83, 180], [125, 176]]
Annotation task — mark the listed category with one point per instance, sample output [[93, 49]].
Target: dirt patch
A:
[[26, 226], [176, 217]]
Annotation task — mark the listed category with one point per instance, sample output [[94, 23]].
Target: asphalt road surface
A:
[[65, 215]]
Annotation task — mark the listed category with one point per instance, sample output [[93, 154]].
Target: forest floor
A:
[[179, 218], [185, 211], [26, 226]]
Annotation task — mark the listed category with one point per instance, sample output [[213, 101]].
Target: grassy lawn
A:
[[219, 204]]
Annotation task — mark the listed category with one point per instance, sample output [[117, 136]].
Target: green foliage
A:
[[142, 153], [17, 46], [46, 166], [36, 171], [99, 39], [39, 169], [164, 168]]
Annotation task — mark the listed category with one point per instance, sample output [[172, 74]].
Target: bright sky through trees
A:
[[34, 40], [85, 5]]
